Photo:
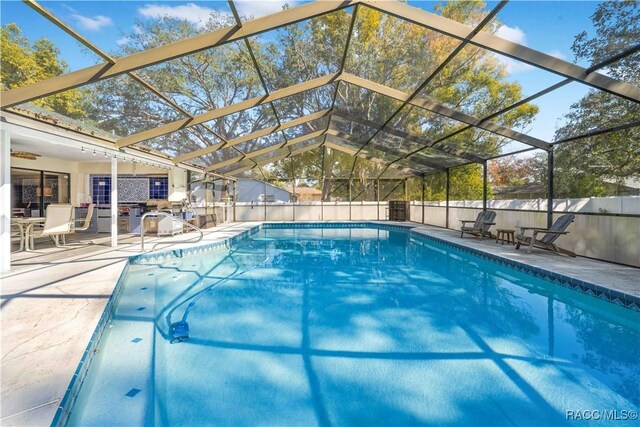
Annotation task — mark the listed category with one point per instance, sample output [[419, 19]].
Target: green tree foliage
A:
[[383, 49], [24, 63], [597, 166], [465, 183], [200, 82], [401, 55]]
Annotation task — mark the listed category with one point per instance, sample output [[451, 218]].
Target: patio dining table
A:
[[26, 225]]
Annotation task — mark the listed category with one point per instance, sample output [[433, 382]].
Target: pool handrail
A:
[[168, 214]]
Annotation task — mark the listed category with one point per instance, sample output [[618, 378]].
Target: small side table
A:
[[505, 234]]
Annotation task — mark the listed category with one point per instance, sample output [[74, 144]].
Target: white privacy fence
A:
[[610, 237], [606, 236], [313, 211], [628, 205]]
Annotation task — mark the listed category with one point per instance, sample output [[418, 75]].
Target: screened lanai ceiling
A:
[[338, 84]]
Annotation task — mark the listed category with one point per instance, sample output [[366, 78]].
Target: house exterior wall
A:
[[177, 177], [80, 173], [249, 190], [50, 164]]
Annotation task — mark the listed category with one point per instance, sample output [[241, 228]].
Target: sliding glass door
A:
[[33, 190]]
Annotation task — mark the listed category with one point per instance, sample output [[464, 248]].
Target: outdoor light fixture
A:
[[82, 148], [94, 152]]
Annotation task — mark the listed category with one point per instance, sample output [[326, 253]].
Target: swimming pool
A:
[[354, 324]]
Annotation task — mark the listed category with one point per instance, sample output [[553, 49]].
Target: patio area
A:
[[215, 117], [51, 303]]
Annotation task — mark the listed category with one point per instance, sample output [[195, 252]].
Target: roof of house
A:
[[268, 184], [531, 187], [307, 190]]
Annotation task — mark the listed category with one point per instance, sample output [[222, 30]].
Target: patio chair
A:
[[86, 221], [17, 233], [550, 235], [57, 224], [480, 226]]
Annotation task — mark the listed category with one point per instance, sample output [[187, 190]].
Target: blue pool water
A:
[[356, 327]]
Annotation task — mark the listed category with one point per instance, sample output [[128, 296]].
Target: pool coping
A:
[[66, 404]]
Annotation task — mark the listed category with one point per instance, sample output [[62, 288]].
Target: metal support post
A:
[[447, 191], [114, 202], [423, 189], [550, 187], [484, 185]]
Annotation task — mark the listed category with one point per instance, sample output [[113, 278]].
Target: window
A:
[[101, 190], [159, 188], [33, 190]]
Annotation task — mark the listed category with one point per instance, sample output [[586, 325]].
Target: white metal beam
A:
[[5, 200], [170, 51], [224, 111]]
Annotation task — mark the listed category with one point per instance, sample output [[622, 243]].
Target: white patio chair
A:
[[86, 221], [57, 224], [17, 233]]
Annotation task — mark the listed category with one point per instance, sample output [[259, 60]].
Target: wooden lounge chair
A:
[[550, 235], [480, 226]]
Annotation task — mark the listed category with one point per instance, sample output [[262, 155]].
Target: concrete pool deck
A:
[[606, 274], [53, 298], [51, 303]]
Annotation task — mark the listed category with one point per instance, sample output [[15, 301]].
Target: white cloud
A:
[[259, 8], [516, 35], [513, 34], [92, 23], [197, 15], [514, 66]]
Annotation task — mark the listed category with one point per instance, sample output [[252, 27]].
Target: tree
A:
[[510, 170], [199, 82], [401, 55], [24, 63], [465, 183], [383, 49], [588, 166]]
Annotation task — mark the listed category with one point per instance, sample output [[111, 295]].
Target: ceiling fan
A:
[[24, 155]]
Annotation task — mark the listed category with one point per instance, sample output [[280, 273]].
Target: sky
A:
[[548, 26]]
